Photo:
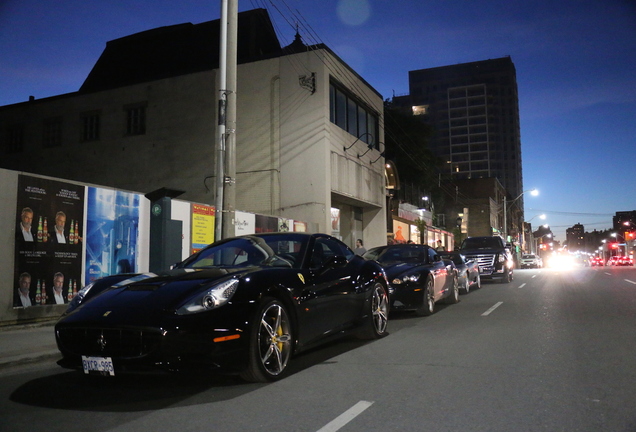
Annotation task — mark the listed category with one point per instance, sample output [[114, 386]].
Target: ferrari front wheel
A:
[[271, 343]]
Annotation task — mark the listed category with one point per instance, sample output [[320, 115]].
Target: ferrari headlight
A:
[[406, 279], [211, 298]]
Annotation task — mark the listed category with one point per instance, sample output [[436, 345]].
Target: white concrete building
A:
[[308, 130]]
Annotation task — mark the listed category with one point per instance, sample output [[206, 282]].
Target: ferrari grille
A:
[[109, 342]]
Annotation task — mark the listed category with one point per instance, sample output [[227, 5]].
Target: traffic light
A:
[[614, 245], [629, 235]]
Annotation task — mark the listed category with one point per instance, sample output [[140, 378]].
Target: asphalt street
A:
[[551, 351]]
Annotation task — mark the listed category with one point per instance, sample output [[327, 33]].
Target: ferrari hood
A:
[[158, 293]]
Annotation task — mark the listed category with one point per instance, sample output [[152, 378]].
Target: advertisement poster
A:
[[48, 246], [203, 219], [112, 232], [266, 224], [244, 223]]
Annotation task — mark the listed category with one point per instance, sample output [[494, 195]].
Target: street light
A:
[[541, 216], [533, 192]]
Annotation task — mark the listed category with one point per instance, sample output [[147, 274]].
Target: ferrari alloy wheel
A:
[[271, 344], [428, 305]]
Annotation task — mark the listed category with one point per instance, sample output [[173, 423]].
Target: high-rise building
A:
[[474, 110]]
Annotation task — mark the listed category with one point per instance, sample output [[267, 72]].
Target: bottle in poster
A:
[[40, 229], [74, 288], [45, 231], [43, 292], [71, 235], [69, 293], [38, 294], [76, 232]]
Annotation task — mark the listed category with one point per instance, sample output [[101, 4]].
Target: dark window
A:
[[14, 139], [347, 113], [90, 127], [52, 132], [136, 120]]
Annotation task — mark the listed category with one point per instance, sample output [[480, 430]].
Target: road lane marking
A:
[[630, 281], [345, 417], [522, 285], [608, 273], [534, 276], [492, 309]]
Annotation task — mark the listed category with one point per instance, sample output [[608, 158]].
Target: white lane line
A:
[[345, 417], [630, 281], [492, 309], [534, 276], [522, 285], [607, 273]]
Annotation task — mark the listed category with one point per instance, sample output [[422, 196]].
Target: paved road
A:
[[551, 351]]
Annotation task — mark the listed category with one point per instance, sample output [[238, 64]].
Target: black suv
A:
[[492, 255]]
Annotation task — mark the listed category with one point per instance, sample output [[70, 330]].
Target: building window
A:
[[90, 127], [353, 116], [136, 120], [14, 140], [52, 132]]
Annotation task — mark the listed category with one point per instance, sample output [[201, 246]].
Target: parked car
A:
[[244, 304], [418, 277], [467, 270], [597, 261], [531, 261], [492, 255]]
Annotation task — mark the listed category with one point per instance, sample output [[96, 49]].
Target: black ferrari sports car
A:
[[244, 304], [418, 277]]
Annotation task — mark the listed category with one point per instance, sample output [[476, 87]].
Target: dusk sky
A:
[[575, 62]]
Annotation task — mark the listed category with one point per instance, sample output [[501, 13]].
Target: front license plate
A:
[[98, 365]]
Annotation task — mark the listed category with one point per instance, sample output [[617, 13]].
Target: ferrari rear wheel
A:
[[271, 343]]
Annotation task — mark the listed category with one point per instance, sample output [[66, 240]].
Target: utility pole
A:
[[225, 144], [229, 196]]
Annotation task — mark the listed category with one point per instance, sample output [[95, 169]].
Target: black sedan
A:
[[244, 304], [467, 270], [418, 277]]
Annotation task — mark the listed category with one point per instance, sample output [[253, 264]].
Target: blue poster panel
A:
[[48, 243], [112, 232]]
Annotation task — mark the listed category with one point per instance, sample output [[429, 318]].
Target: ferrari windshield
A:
[[284, 250]]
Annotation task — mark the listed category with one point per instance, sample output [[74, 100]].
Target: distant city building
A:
[[474, 111], [575, 238]]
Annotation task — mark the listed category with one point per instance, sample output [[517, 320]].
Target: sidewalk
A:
[[27, 343]]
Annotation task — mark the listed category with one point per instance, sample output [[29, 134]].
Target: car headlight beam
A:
[[211, 298]]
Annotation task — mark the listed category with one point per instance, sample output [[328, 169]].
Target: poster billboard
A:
[[203, 220], [49, 241], [112, 232]]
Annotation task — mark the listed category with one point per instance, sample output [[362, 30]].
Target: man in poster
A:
[[57, 293], [59, 236], [24, 299], [25, 232]]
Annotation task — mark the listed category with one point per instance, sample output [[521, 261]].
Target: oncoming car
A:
[[242, 305], [531, 261]]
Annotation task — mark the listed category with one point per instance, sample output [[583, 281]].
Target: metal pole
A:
[[220, 144], [229, 196]]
